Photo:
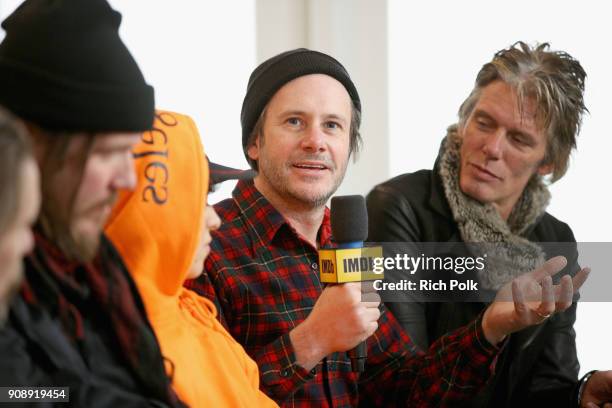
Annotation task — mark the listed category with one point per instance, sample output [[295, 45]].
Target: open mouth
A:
[[310, 166]]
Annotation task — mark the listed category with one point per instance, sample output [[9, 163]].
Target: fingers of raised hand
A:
[[520, 306], [547, 304], [549, 268], [564, 292], [580, 278], [566, 288], [550, 298], [533, 304]]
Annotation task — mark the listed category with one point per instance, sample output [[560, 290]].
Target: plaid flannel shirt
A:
[[264, 279]]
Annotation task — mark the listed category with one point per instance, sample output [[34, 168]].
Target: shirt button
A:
[[284, 373], [313, 371], [315, 266]]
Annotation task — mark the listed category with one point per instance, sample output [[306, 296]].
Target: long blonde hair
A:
[[554, 80]]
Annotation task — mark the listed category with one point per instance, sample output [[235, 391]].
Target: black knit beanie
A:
[[272, 74], [64, 68]]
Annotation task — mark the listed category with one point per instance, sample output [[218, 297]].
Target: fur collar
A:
[[509, 253]]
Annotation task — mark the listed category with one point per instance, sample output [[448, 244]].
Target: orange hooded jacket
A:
[[155, 229]]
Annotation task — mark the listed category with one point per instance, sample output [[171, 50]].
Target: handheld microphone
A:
[[350, 261]]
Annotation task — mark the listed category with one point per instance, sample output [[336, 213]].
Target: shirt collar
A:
[[266, 220]]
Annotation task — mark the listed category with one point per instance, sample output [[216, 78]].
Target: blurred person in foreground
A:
[[19, 205], [78, 321]]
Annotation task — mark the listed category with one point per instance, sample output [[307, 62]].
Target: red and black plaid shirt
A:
[[265, 282]]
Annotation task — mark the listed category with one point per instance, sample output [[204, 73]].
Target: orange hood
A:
[[156, 226], [156, 229]]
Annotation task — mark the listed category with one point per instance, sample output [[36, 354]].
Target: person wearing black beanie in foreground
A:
[[78, 322]]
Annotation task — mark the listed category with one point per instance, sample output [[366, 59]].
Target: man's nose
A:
[[313, 139], [125, 176], [212, 218], [493, 144]]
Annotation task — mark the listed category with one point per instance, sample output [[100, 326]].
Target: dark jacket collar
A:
[[437, 197]]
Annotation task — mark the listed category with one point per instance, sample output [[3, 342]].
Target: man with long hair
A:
[[488, 188], [78, 322]]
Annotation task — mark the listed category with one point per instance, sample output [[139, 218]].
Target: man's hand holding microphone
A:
[[343, 316]]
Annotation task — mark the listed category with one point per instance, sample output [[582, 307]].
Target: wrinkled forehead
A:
[[511, 106]]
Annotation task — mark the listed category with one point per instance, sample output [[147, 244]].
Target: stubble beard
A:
[[85, 246], [277, 178], [61, 228], [88, 245]]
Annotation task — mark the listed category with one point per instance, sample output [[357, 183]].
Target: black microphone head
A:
[[349, 218]]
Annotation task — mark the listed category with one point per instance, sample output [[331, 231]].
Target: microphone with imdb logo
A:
[[350, 261]]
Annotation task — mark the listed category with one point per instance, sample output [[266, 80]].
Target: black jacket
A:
[[36, 351], [539, 365]]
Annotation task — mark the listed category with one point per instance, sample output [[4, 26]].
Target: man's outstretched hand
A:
[[530, 299]]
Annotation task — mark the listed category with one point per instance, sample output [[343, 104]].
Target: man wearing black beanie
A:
[[79, 321], [275, 72], [300, 124]]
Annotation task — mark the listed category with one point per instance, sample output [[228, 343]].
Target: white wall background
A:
[[413, 63], [198, 56]]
